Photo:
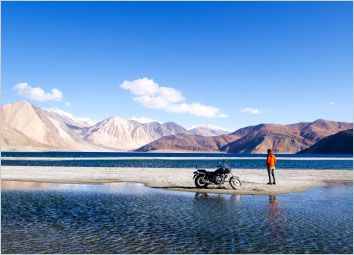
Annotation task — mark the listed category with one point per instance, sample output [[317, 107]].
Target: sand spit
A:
[[253, 180]]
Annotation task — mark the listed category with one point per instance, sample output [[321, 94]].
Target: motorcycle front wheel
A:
[[235, 182], [199, 182]]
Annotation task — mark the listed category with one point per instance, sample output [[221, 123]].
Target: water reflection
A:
[[277, 219], [236, 197], [218, 198], [17, 185], [120, 187]]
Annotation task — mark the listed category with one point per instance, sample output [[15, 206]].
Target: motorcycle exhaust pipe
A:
[[206, 181]]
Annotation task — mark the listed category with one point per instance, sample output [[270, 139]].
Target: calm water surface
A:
[[131, 218], [61, 154], [162, 163], [173, 160]]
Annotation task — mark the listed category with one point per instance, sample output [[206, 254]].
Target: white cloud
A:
[[67, 104], [37, 94], [141, 87], [331, 102], [251, 110], [151, 95], [143, 120]]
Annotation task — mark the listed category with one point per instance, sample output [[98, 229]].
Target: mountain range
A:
[[253, 139], [26, 127]]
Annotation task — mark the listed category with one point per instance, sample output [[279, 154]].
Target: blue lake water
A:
[[178, 160], [163, 163], [131, 218], [53, 154]]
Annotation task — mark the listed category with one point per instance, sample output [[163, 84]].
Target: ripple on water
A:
[[156, 221]]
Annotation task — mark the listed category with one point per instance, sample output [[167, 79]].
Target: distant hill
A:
[[52, 129], [14, 140], [184, 142], [339, 143], [283, 138], [43, 128], [26, 127], [254, 139], [123, 135], [207, 130]]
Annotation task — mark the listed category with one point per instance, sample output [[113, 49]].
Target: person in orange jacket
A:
[[271, 160]]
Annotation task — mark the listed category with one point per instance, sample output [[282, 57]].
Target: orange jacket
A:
[[271, 160]]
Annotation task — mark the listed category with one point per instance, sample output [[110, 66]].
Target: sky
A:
[[229, 64]]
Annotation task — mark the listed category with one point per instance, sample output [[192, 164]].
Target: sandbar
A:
[[181, 179]]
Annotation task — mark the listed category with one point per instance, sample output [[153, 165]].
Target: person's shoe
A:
[[269, 183], [274, 183]]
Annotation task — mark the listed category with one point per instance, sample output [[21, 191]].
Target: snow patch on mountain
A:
[[144, 120], [209, 126], [85, 121]]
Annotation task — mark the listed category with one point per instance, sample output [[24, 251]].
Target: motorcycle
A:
[[203, 178]]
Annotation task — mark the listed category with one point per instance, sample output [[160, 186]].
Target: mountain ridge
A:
[[59, 130], [339, 143], [290, 138], [55, 130]]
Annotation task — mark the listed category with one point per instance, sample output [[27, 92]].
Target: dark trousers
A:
[[271, 172]]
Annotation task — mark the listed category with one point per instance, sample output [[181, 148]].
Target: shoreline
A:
[[178, 179]]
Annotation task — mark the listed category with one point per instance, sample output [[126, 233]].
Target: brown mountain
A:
[[255, 139], [340, 143], [184, 142], [283, 138]]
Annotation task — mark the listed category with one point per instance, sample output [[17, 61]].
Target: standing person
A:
[[271, 160]]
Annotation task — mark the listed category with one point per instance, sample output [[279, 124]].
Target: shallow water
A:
[[131, 218]]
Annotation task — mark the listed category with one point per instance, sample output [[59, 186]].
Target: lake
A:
[[132, 218], [174, 160]]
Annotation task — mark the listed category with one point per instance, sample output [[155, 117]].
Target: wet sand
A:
[[253, 180]]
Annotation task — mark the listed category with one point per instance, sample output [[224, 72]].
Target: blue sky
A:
[[230, 64]]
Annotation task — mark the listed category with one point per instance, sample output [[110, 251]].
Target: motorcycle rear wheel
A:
[[235, 182], [198, 182]]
